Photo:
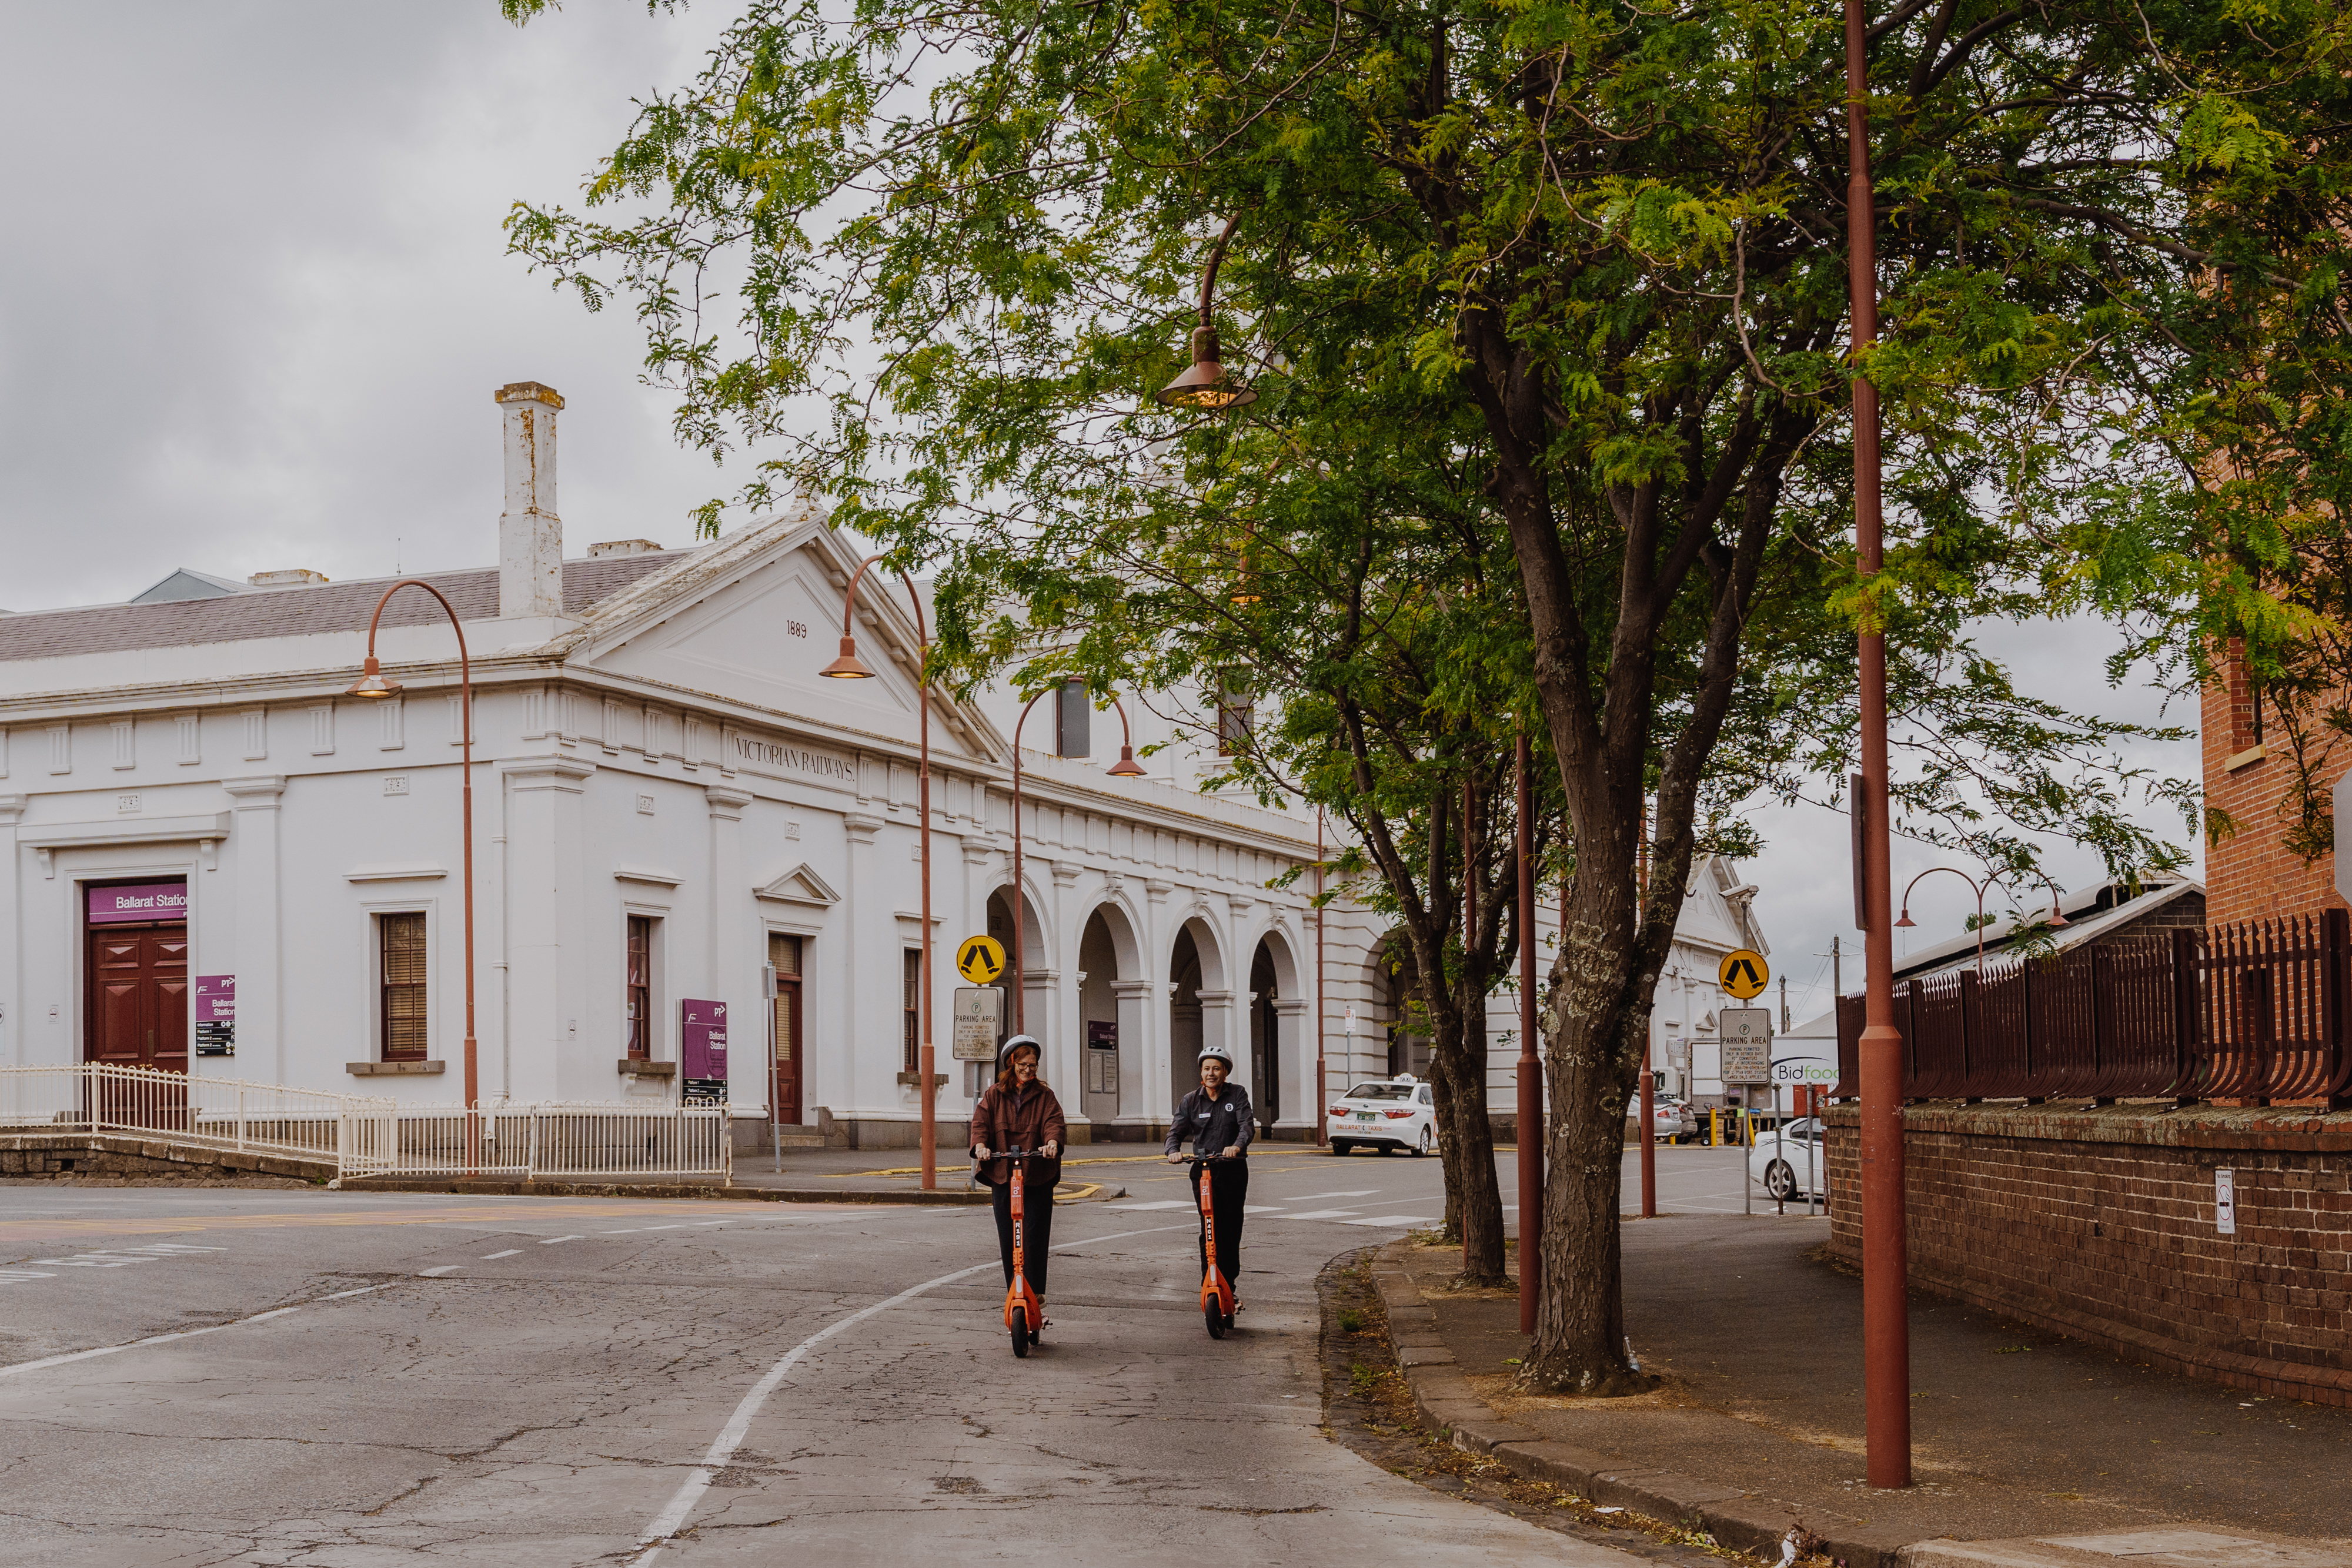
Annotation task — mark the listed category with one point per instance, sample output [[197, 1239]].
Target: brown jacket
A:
[[1026, 1119]]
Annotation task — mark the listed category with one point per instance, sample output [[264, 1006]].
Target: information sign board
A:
[[702, 1052], [979, 1021], [216, 1015]]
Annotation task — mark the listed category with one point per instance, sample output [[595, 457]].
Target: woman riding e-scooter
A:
[[1018, 1111], [1215, 1120]]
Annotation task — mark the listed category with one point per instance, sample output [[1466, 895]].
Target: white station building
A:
[[221, 862]]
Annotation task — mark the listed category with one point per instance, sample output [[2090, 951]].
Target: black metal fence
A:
[[2247, 1012]]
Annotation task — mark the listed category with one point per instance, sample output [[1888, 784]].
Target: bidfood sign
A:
[[1805, 1072]]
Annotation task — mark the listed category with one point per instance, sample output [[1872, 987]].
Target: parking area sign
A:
[[1747, 1037], [979, 1019]]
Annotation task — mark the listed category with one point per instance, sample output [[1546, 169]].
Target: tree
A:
[[1602, 246]]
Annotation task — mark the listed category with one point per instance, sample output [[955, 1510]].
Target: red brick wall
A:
[[2250, 874], [2099, 1225]]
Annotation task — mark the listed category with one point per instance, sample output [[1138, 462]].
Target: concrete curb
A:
[[1094, 1193], [1743, 1521]]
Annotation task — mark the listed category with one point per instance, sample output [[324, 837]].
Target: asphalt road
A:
[[193, 1376]]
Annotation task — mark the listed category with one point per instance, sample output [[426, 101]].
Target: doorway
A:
[[784, 953], [135, 975]]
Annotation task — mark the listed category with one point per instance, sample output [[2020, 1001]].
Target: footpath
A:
[[2028, 1450]]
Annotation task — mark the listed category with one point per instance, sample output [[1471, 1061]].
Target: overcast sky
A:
[[256, 298]]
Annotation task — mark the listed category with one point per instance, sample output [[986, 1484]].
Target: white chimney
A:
[[530, 535]]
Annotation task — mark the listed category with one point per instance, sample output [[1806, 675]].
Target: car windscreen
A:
[[1381, 1092]]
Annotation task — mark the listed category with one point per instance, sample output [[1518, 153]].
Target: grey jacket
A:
[[1214, 1125]]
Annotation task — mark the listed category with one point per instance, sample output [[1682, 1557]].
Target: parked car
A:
[[1391, 1114], [1788, 1160], [1672, 1121]]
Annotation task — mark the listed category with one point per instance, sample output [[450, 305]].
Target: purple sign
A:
[[215, 998], [141, 901], [702, 1051]]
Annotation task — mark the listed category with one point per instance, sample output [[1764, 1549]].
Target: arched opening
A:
[[1398, 985], [1111, 1005], [1277, 1024], [1198, 1006]]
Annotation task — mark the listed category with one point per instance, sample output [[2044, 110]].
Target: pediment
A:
[[800, 885], [755, 623]]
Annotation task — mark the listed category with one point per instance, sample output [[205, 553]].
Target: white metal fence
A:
[[569, 1140], [371, 1136], [222, 1114]]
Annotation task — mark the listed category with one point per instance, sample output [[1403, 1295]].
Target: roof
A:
[[187, 582], [298, 612]]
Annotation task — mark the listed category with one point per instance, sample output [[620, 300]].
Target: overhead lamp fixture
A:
[[1206, 385], [1127, 766], [848, 667], [372, 682]]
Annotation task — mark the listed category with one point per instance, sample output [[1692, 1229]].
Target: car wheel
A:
[[1780, 1181], [1342, 1147], [1423, 1147]]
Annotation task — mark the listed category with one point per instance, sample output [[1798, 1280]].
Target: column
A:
[[547, 926], [1065, 1046], [1216, 1028], [12, 948], [261, 1049], [1139, 1093], [1161, 1028], [1293, 1063], [730, 974], [871, 975]]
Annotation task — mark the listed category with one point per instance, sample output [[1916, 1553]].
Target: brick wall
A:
[[2099, 1225], [2250, 874]]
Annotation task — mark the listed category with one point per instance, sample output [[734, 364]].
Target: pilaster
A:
[[261, 1049]]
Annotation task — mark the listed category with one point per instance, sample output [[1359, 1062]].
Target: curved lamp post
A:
[[2057, 918], [374, 684], [1206, 385], [849, 667], [1127, 766]]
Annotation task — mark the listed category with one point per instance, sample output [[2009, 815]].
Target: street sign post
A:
[[979, 1021], [980, 960], [1746, 1034], [1744, 973]]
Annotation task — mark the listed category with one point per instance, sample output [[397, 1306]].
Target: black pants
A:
[[1036, 1231], [1228, 1190]]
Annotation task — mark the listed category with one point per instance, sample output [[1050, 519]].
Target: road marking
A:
[[485, 1214], [93, 1260], [1323, 1214], [721, 1452], [344, 1295], [1391, 1219], [1163, 1203], [1356, 1192], [136, 1344], [19, 1276], [553, 1240], [1260, 1208], [437, 1273], [494, 1257]]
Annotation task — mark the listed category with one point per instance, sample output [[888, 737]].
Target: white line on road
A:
[[341, 1295], [1322, 1214], [1355, 1192], [494, 1257], [1391, 1219], [551, 1241], [136, 1344], [437, 1273], [730, 1436]]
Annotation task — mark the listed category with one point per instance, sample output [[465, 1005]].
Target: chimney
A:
[[530, 535]]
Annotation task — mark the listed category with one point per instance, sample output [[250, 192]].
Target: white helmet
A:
[[1218, 1053], [1005, 1052]]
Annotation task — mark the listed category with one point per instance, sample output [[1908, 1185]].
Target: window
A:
[[401, 964], [1234, 712], [914, 1009], [640, 999]]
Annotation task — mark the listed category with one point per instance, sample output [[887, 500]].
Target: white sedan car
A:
[[1789, 1162], [1394, 1113]]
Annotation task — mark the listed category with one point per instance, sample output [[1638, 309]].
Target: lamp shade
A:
[[848, 667], [372, 682], [1205, 385], [1127, 766]]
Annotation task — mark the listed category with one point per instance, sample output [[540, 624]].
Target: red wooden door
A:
[[137, 1012], [784, 953]]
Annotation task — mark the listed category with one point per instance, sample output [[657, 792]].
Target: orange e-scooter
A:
[[1025, 1315], [1217, 1302]]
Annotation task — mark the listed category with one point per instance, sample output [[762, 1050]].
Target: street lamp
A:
[[848, 667], [1206, 385], [2057, 918], [1886, 1304], [375, 684], [1127, 766]]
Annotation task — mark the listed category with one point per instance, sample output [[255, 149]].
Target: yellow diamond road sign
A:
[[981, 959], [1744, 973]]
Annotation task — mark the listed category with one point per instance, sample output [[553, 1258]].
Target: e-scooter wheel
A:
[[1217, 1321], [1021, 1336]]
